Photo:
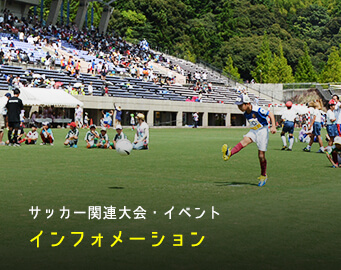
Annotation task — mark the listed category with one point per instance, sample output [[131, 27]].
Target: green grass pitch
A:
[[293, 222]]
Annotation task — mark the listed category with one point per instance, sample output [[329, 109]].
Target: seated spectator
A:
[[46, 134], [71, 138], [141, 139]]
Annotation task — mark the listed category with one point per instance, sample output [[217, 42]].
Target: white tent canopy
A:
[[32, 96]]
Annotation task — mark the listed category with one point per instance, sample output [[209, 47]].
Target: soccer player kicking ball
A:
[[259, 133]]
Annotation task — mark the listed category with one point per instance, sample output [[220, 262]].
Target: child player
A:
[[91, 137], [331, 124], [119, 135], [103, 139], [288, 117], [31, 136], [46, 134], [71, 138], [86, 120], [334, 155], [259, 133]]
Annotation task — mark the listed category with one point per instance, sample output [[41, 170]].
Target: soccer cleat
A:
[[75, 146], [289, 149], [16, 144], [51, 144], [305, 149], [226, 152], [284, 147], [262, 180], [320, 151], [43, 143], [2, 143]]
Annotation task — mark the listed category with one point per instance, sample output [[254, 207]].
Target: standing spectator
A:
[[141, 139], [3, 113], [337, 112], [14, 106], [79, 116], [118, 117], [10, 82], [132, 121], [195, 119], [86, 120], [2, 54], [78, 67]]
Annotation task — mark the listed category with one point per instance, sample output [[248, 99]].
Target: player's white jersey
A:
[[289, 115]]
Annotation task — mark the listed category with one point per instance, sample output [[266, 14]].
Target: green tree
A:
[[332, 70], [263, 63], [305, 71], [280, 71], [230, 69]]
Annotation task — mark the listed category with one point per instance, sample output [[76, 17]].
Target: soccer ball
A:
[[124, 147]]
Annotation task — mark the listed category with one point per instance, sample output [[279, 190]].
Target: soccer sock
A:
[[263, 167], [284, 141], [322, 148], [236, 149], [291, 142], [22, 140], [335, 157], [9, 135], [329, 148], [308, 147]]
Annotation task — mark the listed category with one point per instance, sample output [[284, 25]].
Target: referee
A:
[[14, 106]]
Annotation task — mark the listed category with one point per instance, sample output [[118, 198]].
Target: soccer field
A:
[[293, 222]]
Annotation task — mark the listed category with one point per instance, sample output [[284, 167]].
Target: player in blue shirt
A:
[[259, 133]]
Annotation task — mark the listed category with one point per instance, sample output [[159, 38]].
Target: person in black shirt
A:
[[14, 106]]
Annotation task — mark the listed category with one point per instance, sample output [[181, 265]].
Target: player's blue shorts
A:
[[317, 128], [332, 130], [288, 127]]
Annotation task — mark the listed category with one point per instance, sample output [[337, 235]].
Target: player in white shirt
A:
[[315, 123], [259, 133], [331, 124], [141, 139], [91, 137], [103, 141], [288, 117], [79, 116], [31, 136], [337, 113]]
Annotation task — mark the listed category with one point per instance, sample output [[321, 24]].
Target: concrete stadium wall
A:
[[150, 107], [274, 90], [19, 8]]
